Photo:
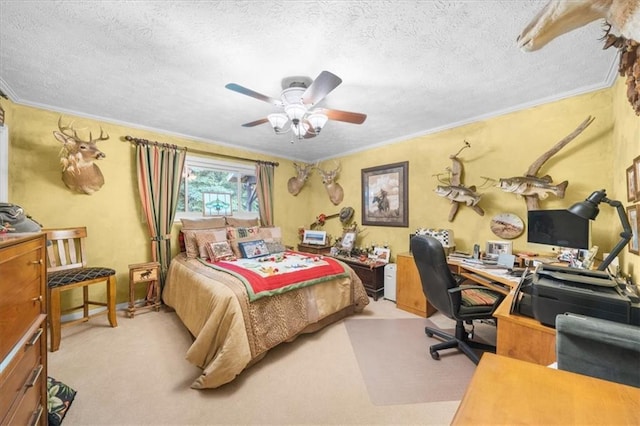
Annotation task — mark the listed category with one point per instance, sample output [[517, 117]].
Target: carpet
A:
[[393, 356]]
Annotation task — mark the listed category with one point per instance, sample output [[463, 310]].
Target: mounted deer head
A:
[[295, 184], [335, 191], [79, 172], [559, 17]]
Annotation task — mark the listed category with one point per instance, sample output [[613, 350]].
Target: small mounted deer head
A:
[[335, 191], [303, 171], [79, 173]]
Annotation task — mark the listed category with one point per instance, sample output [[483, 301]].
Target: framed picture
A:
[[636, 166], [385, 197], [631, 184], [316, 238], [633, 213], [216, 204], [496, 248], [348, 240], [381, 254]]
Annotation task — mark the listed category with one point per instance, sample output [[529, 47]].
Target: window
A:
[[208, 184]]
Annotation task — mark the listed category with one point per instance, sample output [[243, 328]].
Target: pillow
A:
[[232, 221], [205, 236], [275, 247], [272, 234], [219, 251], [251, 249], [208, 223], [191, 242], [234, 233], [238, 235]]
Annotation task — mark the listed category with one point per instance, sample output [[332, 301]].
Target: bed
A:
[[231, 332]]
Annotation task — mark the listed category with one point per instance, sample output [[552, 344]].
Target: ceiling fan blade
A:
[[256, 123], [346, 116], [321, 86], [243, 90]]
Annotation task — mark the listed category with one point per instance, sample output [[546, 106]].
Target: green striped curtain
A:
[[159, 175], [264, 188]]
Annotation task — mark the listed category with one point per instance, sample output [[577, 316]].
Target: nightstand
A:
[[144, 273]]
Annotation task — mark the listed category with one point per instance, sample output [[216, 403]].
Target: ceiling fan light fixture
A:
[[300, 130], [295, 112], [278, 121], [317, 121]]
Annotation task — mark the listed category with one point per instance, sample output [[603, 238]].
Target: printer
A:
[[554, 290]]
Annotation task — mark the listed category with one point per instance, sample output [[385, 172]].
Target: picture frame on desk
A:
[[633, 214], [496, 248], [348, 240], [381, 254], [385, 195]]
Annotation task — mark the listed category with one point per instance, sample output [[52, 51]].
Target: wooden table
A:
[[507, 391], [148, 273]]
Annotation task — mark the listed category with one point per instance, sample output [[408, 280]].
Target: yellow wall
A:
[[500, 147], [625, 147]]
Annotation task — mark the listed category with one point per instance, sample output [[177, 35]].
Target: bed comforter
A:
[[231, 333]]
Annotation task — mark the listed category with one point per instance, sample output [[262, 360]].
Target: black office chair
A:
[[460, 303]]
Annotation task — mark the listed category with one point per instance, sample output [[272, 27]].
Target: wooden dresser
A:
[[372, 275], [23, 329]]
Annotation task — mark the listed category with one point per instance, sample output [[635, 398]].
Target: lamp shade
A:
[[295, 112], [317, 121], [277, 121], [588, 209]]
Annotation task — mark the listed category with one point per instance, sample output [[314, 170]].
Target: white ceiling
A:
[[414, 67]]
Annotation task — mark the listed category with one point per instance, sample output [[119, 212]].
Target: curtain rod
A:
[[196, 151]]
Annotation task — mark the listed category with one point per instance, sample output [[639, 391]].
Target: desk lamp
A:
[[588, 209]]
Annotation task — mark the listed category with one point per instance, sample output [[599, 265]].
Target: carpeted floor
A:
[[393, 356]]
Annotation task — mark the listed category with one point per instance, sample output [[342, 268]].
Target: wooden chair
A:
[[67, 269]]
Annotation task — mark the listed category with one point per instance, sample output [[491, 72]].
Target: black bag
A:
[[13, 219]]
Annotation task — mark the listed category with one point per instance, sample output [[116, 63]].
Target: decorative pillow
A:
[[234, 233], [239, 235], [191, 242], [208, 223], [251, 249], [272, 234], [219, 251], [275, 247], [181, 243], [244, 223], [205, 236]]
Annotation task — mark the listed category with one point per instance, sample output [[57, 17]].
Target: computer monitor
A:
[[557, 228]]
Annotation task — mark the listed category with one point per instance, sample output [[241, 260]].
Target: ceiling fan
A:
[[298, 99]]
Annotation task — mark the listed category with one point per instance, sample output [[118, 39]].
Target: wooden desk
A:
[[508, 391], [523, 338], [517, 337]]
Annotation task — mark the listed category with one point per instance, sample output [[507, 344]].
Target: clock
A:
[[507, 225]]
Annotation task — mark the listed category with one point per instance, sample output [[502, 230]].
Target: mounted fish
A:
[[534, 188], [459, 194], [531, 185], [454, 190]]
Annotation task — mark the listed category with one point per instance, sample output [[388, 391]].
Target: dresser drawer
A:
[[21, 287], [29, 410], [20, 370]]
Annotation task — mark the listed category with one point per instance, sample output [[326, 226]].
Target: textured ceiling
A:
[[414, 67]]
